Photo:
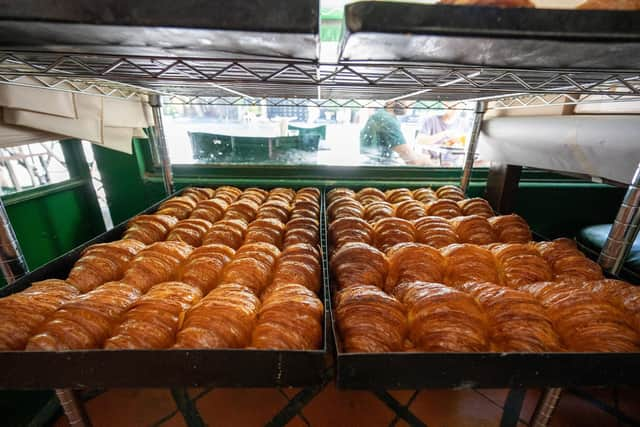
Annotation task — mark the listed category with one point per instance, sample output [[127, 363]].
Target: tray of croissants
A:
[[420, 277], [208, 270]]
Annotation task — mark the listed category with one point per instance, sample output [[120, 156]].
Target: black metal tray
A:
[[158, 368], [477, 370], [490, 36]]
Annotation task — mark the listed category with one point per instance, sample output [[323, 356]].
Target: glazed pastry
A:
[[492, 3], [149, 228], [153, 320], [308, 193], [443, 319], [444, 208], [178, 207], [369, 195], [155, 264], [210, 210], [228, 194], [350, 229], [610, 5], [359, 264], [276, 209], [336, 193], [285, 194], [370, 320], [473, 229], [345, 207], [450, 192], [228, 232], [199, 194], [476, 206], [223, 319], [568, 262], [435, 231], [391, 231], [242, 209], [584, 321], [87, 321], [398, 195], [469, 263], [268, 230], [411, 262], [623, 295], [424, 195], [517, 321], [378, 210], [190, 231], [302, 230], [305, 209], [252, 266], [299, 264], [102, 263], [511, 229], [203, 268], [410, 210], [22, 313], [290, 318], [258, 195], [520, 264]]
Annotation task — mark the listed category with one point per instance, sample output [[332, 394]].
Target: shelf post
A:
[[12, 260], [160, 141], [546, 405], [472, 144], [624, 229]]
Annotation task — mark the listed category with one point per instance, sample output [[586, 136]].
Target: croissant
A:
[[308, 193], [290, 318], [517, 321], [623, 295], [336, 193], [568, 262], [398, 195], [242, 209], [469, 263], [285, 194], [266, 230], [345, 207], [584, 321], [223, 319], [473, 229], [190, 231], [444, 208], [378, 210], [391, 231], [369, 320], [102, 263], [156, 263], [450, 192], [435, 231], [424, 195], [610, 5], [228, 194], [511, 229], [305, 209], [476, 206], [301, 230], [299, 264], [369, 195], [359, 264], [228, 232], [252, 266], [204, 266], [210, 210], [178, 207], [520, 264], [276, 209], [493, 3], [443, 319], [258, 195], [350, 229], [85, 322], [410, 210], [199, 194], [153, 320], [23, 312], [149, 228], [412, 262]]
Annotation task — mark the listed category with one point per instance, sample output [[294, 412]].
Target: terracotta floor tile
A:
[[176, 421], [291, 391], [130, 407], [573, 411], [402, 396], [530, 403], [496, 395], [296, 422], [629, 402], [459, 408], [240, 406]]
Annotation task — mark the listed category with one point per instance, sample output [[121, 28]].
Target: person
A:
[[382, 141], [443, 135], [441, 126]]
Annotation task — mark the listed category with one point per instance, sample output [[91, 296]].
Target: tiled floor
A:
[[333, 407]]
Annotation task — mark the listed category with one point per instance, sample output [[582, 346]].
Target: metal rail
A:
[[472, 144], [161, 143]]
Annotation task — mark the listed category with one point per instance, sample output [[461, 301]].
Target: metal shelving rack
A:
[[471, 58]]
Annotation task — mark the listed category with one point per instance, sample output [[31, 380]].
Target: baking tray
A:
[[490, 36], [477, 370], [158, 368]]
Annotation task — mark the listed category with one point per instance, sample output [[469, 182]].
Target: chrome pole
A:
[[472, 145], [12, 260], [73, 408], [160, 140], [546, 405], [624, 229]]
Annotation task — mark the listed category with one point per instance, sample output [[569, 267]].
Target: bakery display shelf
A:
[[417, 370], [491, 36], [158, 368]]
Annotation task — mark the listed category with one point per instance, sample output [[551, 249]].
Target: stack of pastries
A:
[[212, 268], [429, 270]]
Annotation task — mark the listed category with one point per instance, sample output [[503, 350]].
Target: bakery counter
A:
[[123, 356]]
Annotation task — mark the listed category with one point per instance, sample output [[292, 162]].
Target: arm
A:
[[412, 158]]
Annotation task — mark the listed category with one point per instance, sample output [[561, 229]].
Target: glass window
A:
[[31, 166]]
